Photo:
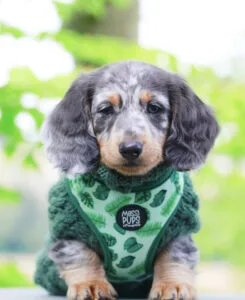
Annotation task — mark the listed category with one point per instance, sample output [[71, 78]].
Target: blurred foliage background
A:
[[94, 33]]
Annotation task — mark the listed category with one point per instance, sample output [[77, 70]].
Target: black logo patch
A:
[[131, 217]]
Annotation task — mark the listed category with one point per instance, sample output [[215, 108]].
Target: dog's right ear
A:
[[67, 133]]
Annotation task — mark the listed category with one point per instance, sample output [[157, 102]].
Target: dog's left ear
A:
[[193, 128]]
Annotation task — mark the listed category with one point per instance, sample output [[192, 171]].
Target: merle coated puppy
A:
[[124, 136]]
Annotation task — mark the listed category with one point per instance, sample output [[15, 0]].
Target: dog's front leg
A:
[[82, 270], [174, 271]]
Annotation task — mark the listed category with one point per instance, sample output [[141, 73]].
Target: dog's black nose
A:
[[130, 150]]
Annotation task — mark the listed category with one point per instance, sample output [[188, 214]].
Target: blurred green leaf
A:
[[5, 29], [29, 161], [8, 196], [98, 50], [10, 276], [10, 147], [22, 80], [95, 8]]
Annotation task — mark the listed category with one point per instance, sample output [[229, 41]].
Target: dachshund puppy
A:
[[124, 135]]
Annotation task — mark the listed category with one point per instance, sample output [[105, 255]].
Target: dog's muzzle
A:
[[130, 150]]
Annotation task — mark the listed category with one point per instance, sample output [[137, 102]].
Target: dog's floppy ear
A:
[[193, 128], [67, 133]]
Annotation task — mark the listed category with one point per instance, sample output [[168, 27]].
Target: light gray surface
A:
[[39, 294]]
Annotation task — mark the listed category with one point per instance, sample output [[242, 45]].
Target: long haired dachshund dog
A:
[[122, 216]]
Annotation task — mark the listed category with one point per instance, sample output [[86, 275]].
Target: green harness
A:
[[124, 219], [127, 225]]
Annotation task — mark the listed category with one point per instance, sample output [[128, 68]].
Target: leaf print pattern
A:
[[116, 204], [127, 249], [119, 229], [112, 271], [138, 270], [98, 219], [170, 204], [175, 178], [88, 180], [87, 199], [148, 213], [149, 229], [131, 245], [126, 262], [77, 181], [158, 198], [142, 197], [114, 255], [109, 239], [101, 192]]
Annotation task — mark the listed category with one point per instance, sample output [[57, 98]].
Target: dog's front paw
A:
[[94, 289], [172, 291]]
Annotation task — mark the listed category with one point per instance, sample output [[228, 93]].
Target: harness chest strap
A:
[[127, 225]]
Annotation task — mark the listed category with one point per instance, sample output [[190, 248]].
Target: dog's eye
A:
[[154, 108], [106, 110]]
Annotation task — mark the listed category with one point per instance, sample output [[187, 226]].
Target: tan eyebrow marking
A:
[[114, 99], [145, 96]]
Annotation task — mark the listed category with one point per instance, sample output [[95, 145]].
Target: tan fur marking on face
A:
[[145, 96], [150, 157], [114, 99]]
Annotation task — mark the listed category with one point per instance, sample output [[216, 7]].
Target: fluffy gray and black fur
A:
[[85, 128]]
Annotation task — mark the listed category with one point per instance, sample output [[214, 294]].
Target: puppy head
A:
[[131, 116]]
